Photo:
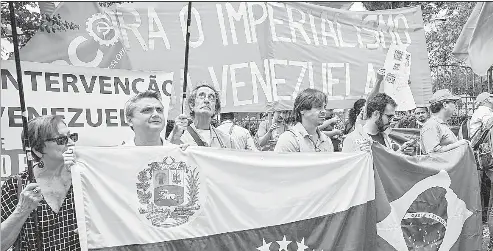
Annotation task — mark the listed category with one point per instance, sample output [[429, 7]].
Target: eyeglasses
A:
[[63, 140]]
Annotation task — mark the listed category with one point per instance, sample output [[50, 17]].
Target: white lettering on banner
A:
[[117, 59], [159, 33], [198, 24], [376, 34], [341, 40], [265, 84], [220, 87], [254, 22], [277, 81], [220, 16], [387, 28], [358, 34], [310, 75], [235, 85], [134, 27], [348, 80], [298, 25], [74, 59], [314, 29], [239, 15], [326, 34], [273, 22], [330, 80], [406, 25], [304, 66]]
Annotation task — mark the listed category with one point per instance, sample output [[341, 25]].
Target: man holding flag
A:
[[204, 104]]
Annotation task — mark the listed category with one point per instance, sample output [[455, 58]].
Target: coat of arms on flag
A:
[[168, 192]]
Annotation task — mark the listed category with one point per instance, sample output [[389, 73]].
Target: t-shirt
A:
[[378, 138], [205, 135]]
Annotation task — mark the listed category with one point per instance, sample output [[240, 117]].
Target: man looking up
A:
[[204, 104]]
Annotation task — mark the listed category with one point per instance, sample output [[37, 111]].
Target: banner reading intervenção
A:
[[92, 100]]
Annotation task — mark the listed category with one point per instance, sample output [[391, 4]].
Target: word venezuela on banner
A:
[[92, 100], [433, 201], [258, 55], [212, 199]]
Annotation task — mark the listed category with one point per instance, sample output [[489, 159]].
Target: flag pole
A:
[[25, 139], [187, 48]]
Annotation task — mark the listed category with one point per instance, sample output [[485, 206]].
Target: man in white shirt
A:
[[145, 115], [240, 137], [204, 103]]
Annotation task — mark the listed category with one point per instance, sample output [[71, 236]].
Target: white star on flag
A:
[[301, 245], [265, 246], [283, 245]]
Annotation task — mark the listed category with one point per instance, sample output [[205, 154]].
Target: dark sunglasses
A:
[[63, 140]]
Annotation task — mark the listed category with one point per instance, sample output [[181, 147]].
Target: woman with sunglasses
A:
[[51, 193]]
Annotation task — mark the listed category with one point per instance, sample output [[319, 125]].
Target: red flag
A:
[[94, 44]]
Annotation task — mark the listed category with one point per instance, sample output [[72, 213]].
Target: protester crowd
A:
[[308, 127]]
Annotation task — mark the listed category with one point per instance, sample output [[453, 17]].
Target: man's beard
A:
[[381, 126]]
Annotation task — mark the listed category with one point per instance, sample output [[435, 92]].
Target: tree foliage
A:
[[29, 21], [444, 21]]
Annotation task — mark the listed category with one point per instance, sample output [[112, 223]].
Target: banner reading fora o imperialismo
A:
[[257, 54], [92, 101]]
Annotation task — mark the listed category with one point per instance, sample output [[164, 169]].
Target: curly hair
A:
[[193, 96], [353, 114], [378, 103], [306, 100]]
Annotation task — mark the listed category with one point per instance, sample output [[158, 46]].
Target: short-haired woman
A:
[[51, 193]]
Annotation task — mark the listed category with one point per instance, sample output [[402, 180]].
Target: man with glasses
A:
[[436, 135], [204, 104], [305, 136], [380, 110]]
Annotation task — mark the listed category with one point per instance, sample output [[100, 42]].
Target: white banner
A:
[[92, 100]]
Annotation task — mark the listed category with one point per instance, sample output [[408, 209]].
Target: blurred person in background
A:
[[239, 136], [269, 131]]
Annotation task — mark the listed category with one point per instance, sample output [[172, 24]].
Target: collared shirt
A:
[[217, 138], [435, 134], [239, 136], [131, 142], [479, 117], [352, 141], [298, 140]]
